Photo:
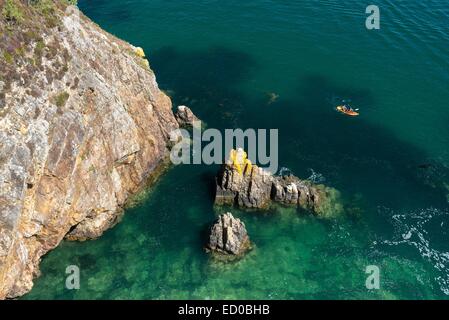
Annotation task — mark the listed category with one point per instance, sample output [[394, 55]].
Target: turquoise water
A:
[[224, 59]]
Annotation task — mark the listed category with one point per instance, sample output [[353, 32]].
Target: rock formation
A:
[[243, 184], [228, 236], [185, 116], [83, 125]]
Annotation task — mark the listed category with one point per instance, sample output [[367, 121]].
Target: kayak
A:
[[349, 113]]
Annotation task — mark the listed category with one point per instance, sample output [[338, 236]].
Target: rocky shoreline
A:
[[82, 129], [242, 184]]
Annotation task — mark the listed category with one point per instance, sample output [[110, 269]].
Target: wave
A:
[[412, 229], [285, 172], [316, 177]]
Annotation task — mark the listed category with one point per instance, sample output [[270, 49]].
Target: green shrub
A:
[[8, 57], [47, 9], [11, 12], [40, 46], [61, 99]]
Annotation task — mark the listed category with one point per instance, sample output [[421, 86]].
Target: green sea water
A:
[[225, 60]]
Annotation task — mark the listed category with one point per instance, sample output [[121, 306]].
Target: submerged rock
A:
[[185, 116], [228, 236], [241, 183]]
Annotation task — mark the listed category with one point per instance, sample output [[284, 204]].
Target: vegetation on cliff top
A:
[[11, 13], [24, 41]]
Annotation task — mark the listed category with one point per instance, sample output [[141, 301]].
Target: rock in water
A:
[[241, 183], [228, 236], [81, 129], [185, 117]]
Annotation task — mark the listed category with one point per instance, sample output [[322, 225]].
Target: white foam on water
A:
[[316, 177], [284, 171], [410, 229]]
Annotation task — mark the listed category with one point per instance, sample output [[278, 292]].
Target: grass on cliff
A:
[[61, 99], [16, 12], [25, 27], [11, 12]]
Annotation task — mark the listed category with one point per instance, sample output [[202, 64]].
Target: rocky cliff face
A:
[[82, 126]]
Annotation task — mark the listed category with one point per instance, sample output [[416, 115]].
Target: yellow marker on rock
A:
[[139, 51], [248, 166], [240, 161]]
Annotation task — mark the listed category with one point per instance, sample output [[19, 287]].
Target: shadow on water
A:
[[350, 152], [206, 81], [365, 161], [362, 150]]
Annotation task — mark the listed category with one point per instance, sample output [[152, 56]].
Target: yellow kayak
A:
[[347, 112]]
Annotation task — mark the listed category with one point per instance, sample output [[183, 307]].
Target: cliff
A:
[[83, 125]]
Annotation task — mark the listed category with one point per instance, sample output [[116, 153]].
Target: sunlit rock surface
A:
[[241, 183], [228, 237], [83, 124]]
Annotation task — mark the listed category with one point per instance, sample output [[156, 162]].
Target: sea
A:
[[286, 65]]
